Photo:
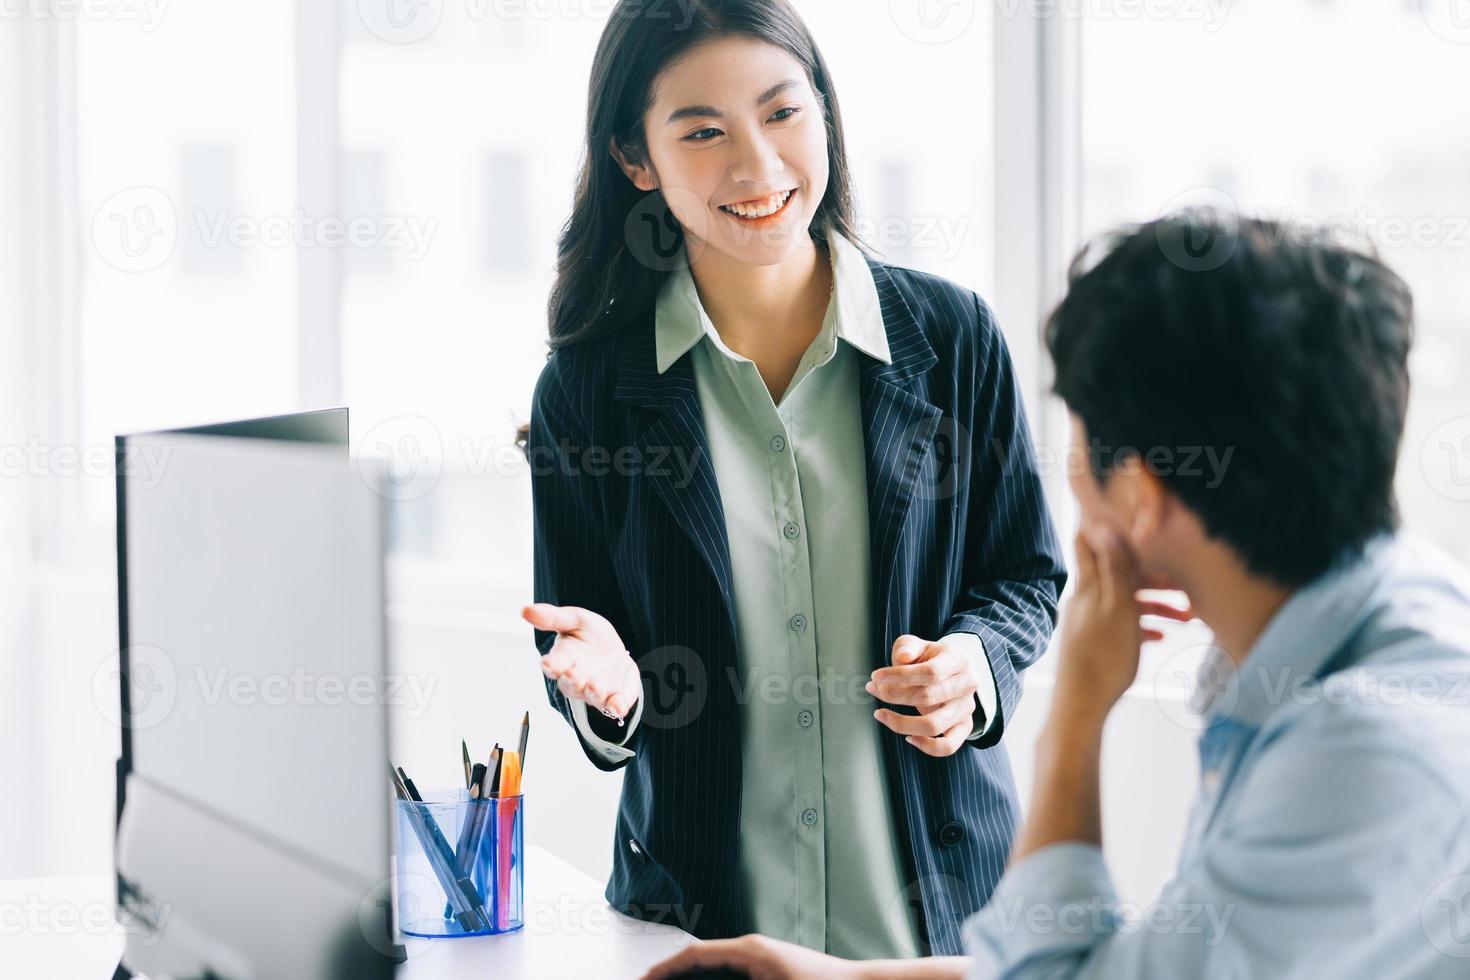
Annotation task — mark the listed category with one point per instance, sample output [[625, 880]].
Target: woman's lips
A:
[[760, 213]]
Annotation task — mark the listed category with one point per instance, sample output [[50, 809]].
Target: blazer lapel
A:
[[675, 430], [900, 427]]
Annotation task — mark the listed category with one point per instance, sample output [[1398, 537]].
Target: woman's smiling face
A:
[[737, 143]]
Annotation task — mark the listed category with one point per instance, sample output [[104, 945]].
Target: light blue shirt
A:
[[1331, 835]]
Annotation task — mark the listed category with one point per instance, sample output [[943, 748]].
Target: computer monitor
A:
[[253, 802]]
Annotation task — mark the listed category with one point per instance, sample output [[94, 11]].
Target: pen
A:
[[459, 890], [525, 735], [464, 750]]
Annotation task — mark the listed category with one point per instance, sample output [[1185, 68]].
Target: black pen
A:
[[458, 889]]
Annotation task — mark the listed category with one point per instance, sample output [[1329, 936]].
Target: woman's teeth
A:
[[758, 209]]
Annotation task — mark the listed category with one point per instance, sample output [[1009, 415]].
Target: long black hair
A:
[[617, 247]]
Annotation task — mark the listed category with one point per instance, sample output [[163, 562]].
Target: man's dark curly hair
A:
[[1213, 332]]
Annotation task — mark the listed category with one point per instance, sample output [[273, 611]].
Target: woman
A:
[[790, 543]]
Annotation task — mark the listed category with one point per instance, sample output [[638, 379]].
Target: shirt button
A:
[[778, 443], [809, 817], [805, 719], [798, 622], [791, 530], [951, 834], [633, 846]]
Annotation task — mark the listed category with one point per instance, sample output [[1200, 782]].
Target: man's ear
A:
[[641, 174], [1149, 501]]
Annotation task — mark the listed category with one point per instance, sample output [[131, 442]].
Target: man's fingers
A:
[[1114, 568], [708, 954], [1086, 563], [557, 619], [1153, 607]]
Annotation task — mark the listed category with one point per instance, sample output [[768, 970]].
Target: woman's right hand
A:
[[588, 661]]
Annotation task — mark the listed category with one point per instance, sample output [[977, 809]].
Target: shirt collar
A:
[[1298, 642], [680, 320]]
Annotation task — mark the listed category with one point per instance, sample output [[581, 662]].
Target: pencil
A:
[[464, 750], [525, 734]]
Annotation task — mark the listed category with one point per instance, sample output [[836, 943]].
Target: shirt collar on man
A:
[[680, 320], [1298, 642]]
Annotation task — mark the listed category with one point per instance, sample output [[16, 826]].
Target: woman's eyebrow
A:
[[710, 111]]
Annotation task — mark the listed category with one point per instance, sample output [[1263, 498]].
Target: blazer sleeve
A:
[[1014, 569], [572, 566]]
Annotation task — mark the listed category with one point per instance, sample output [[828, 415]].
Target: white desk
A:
[[65, 927]]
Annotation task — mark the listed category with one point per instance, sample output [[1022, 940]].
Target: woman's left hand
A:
[[937, 679], [756, 957]]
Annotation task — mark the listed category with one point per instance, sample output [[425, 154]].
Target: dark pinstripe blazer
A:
[[629, 523]]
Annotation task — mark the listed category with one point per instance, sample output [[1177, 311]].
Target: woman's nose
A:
[[757, 161]]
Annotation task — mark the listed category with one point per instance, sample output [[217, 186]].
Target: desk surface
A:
[[65, 927]]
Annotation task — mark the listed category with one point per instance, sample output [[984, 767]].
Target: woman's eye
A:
[[786, 113], [701, 135]]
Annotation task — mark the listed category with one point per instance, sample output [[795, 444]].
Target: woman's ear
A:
[[641, 174]]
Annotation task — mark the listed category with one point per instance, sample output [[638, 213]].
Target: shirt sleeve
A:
[[987, 694], [609, 751], [1321, 861]]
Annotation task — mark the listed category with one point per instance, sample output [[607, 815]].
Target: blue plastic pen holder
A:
[[460, 865]]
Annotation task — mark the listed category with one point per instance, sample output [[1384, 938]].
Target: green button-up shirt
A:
[[820, 860]]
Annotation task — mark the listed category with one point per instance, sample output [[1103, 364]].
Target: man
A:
[[1331, 834]]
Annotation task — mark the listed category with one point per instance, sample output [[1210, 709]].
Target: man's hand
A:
[[756, 957], [1100, 635], [588, 661], [938, 680]]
